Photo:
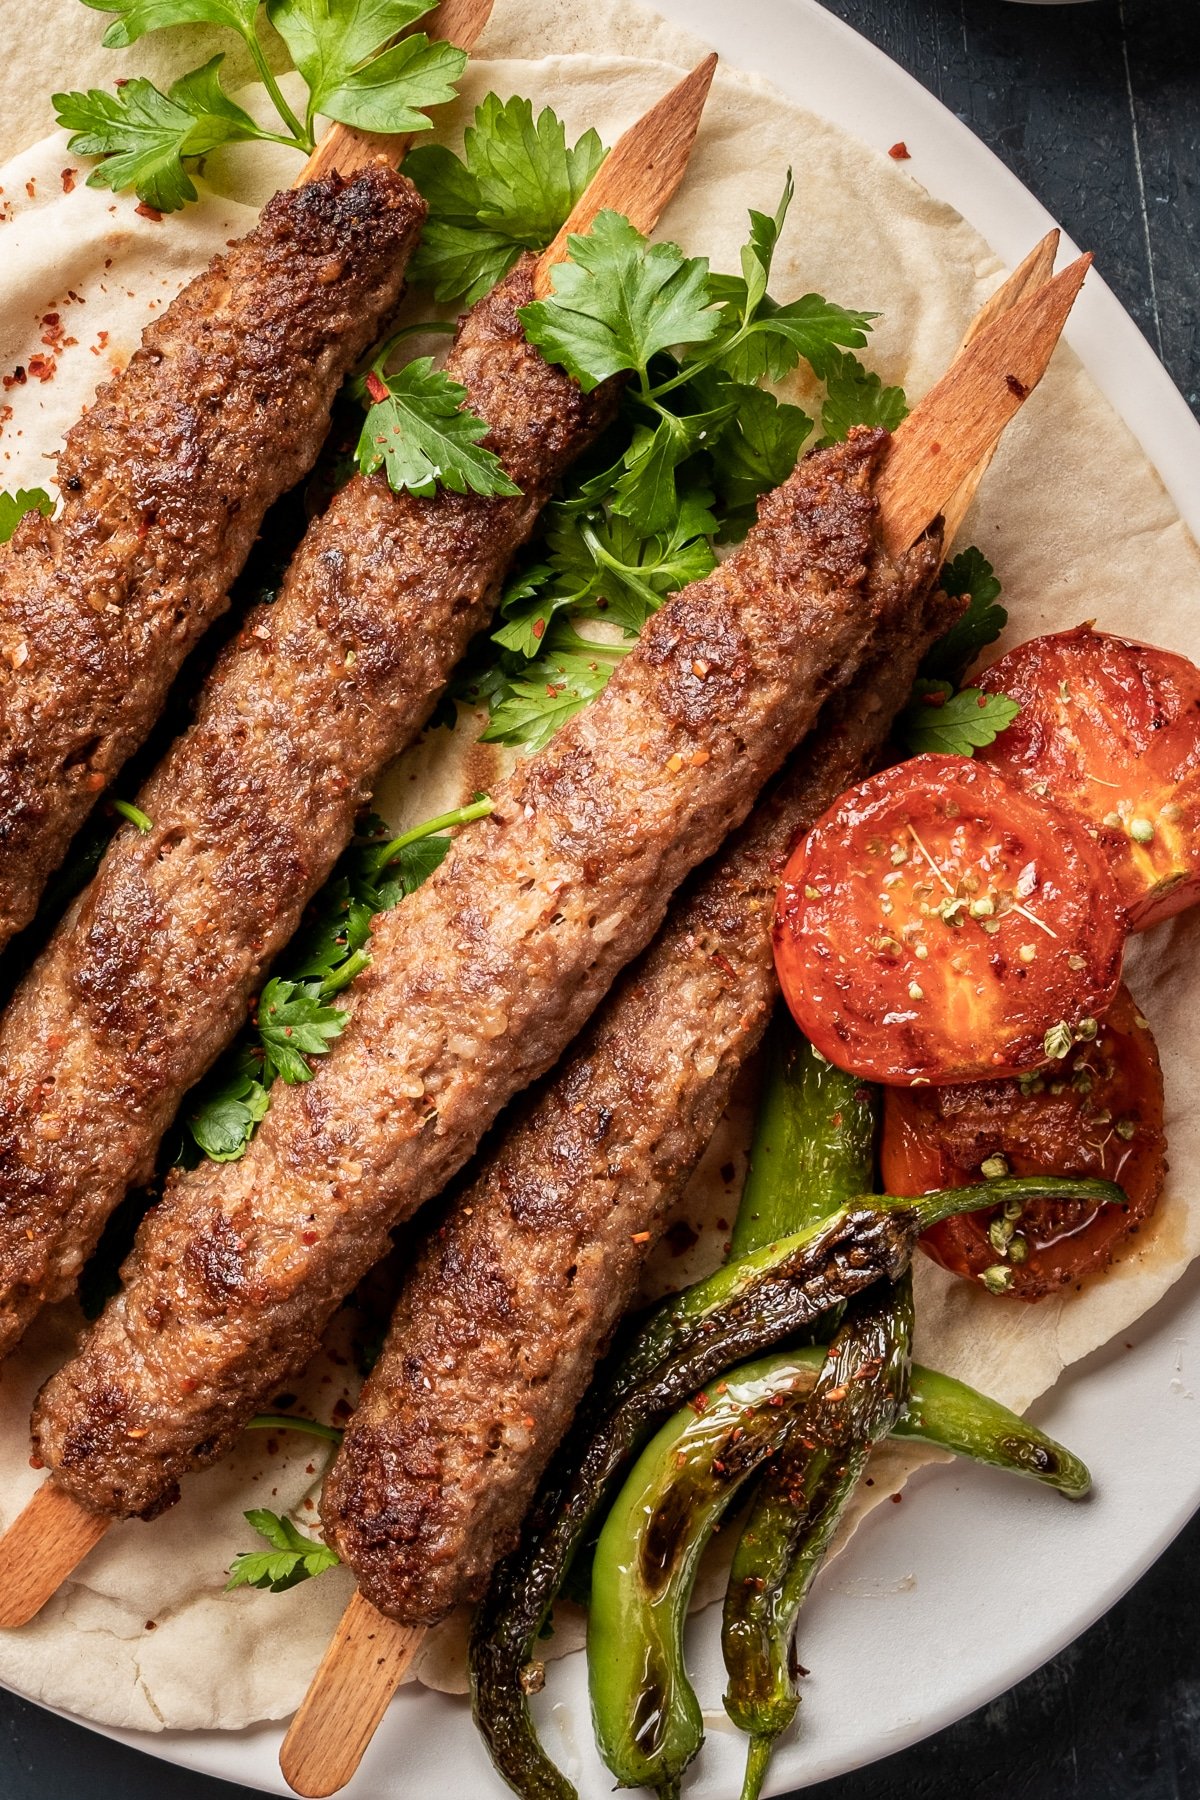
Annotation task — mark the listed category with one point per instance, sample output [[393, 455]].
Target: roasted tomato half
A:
[[939, 924], [1097, 1112], [1110, 730]]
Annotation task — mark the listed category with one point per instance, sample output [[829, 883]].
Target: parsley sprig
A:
[[515, 183], [295, 1018], [937, 718], [292, 1558], [698, 439], [354, 63]]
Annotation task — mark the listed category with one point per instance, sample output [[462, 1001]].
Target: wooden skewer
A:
[[347, 149], [1031, 275], [43, 1544], [642, 170], [959, 421], [1017, 329], [370, 1654]]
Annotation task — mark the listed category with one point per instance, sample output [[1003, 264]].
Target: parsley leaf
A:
[[294, 1024], [13, 508], [353, 75], [294, 1018], [618, 301], [421, 433], [546, 694], [515, 184], [938, 719], [970, 573], [856, 396], [757, 451], [294, 1557], [138, 16], [141, 134], [227, 1108], [346, 52]]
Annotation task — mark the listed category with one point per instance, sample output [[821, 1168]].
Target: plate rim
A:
[[957, 167]]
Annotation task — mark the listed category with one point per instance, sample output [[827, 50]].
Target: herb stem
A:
[[300, 138], [462, 815], [284, 1422]]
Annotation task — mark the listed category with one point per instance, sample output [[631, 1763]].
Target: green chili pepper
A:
[[859, 1396], [814, 1143], [956, 1417], [646, 1715], [741, 1310]]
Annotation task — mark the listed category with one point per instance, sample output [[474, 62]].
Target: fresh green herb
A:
[[227, 1106], [294, 1019], [354, 71], [856, 396], [696, 443], [293, 1558], [618, 301], [420, 432], [134, 814], [972, 574], [516, 182], [938, 719], [286, 1422], [13, 508]]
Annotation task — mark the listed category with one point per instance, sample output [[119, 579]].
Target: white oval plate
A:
[[975, 1580]]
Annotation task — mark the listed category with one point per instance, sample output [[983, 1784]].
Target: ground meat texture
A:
[[151, 973], [477, 984], [165, 481], [517, 1289]]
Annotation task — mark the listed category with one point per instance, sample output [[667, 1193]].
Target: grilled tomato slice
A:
[[1110, 731], [1097, 1112], [939, 924]]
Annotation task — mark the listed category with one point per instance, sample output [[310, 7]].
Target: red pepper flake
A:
[[896, 1499], [935, 449], [723, 963], [681, 1237], [935, 699], [700, 757], [18, 378], [900, 152], [309, 1237], [148, 212], [44, 368], [31, 188], [699, 1403], [376, 388], [67, 178], [539, 625], [639, 1237], [1016, 387]]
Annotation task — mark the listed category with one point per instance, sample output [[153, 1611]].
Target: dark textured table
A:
[[1097, 108]]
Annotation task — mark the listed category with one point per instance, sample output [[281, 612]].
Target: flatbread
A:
[[1075, 520]]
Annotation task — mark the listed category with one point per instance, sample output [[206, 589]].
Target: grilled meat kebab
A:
[[520, 1284], [149, 976], [165, 481], [477, 984]]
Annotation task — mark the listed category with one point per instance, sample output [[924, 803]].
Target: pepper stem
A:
[[757, 1758], [945, 1203]]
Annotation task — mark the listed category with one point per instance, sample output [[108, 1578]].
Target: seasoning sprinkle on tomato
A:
[[1109, 730], [1098, 1113], [938, 925]]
